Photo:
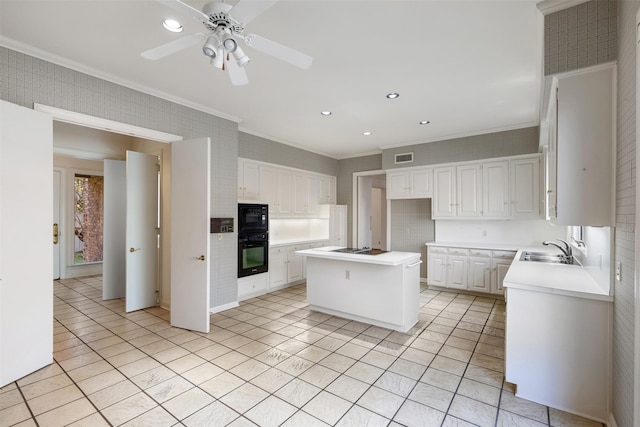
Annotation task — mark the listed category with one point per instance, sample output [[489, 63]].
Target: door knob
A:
[[55, 233], [133, 250], [201, 258]]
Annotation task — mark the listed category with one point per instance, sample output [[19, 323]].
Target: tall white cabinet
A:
[[26, 241]]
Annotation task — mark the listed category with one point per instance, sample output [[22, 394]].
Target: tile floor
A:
[[272, 362]]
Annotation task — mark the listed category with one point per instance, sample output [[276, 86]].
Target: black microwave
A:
[[253, 218]]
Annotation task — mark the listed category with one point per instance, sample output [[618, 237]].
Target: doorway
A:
[[370, 207]]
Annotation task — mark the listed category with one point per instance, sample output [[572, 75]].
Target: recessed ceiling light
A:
[[326, 113], [172, 25], [424, 122], [393, 95], [367, 133]]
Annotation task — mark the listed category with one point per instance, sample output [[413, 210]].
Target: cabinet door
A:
[[495, 189], [457, 271], [437, 271], [397, 185], [444, 192], [469, 201], [421, 183], [328, 189], [285, 186], [499, 269], [269, 188], [277, 268], [479, 274], [295, 266], [525, 193], [312, 195], [299, 191], [249, 180]]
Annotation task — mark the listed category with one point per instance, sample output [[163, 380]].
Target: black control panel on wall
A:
[[222, 225]]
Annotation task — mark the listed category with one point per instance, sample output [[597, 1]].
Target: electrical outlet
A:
[[618, 271], [347, 274]]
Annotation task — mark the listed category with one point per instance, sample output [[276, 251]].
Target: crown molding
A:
[[551, 6]]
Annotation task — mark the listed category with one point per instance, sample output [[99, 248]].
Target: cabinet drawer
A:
[[480, 253], [506, 255], [437, 250], [458, 252], [250, 286]]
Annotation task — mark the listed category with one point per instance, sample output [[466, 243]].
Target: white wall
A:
[[532, 232]]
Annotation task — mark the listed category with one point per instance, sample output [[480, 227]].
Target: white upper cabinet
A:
[[525, 188], [469, 189], [585, 147], [444, 192], [410, 184], [495, 189], [290, 193], [248, 180]]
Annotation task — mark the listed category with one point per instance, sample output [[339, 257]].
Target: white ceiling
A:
[[469, 67]]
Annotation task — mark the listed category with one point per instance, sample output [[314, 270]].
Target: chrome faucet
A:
[[566, 250]]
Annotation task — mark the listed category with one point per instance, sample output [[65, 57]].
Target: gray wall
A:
[[499, 144], [580, 36], [625, 233], [589, 34], [25, 80], [411, 227], [264, 150]]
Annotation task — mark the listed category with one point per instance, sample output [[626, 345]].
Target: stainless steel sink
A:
[[547, 257]]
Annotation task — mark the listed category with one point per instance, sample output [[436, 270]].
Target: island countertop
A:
[[391, 258]]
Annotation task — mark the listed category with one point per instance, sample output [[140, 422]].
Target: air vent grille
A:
[[403, 158]]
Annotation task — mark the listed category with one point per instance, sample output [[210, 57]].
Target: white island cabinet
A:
[[382, 290]]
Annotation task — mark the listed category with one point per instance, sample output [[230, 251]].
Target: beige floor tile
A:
[[396, 384], [41, 374], [473, 411], [45, 386], [10, 398], [139, 366], [415, 414], [297, 392], [170, 354], [244, 398], [376, 358], [202, 373], [249, 369], [358, 416], [301, 418], [319, 376], [126, 357], [327, 407], [271, 380], [441, 379], [364, 372], [508, 419], [66, 414], [271, 412], [479, 391], [408, 368], [230, 360], [169, 389], [101, 381], [484, 375], [93, 420], [222, 384], [55, 399], [381, 402], [129, 408], [559, 418], [89, 370], [113, 394], [79, 361], [153, 377], [313, 353], [214, 414], [431, 396], [14, 414]]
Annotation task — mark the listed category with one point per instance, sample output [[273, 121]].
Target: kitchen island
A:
[[376, 287]]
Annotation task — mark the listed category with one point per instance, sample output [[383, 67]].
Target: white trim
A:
[[105, 124], [636, 352], [551, 6], [223, 307]]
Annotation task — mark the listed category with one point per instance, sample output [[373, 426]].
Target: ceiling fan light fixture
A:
[[241, 58], [210, 47], [218, 60], [172, 25], [230, 45]]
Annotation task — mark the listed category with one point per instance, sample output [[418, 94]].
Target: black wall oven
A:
[[253, 218], [253, 254], [253, 239]]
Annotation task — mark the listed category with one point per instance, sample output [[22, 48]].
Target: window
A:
[[88, 218]]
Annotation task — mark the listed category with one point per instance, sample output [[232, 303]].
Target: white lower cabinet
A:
[[251, 286], [285, 267], [472, 269]]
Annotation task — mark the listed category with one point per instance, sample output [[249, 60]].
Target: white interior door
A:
[[141, 231], [190, 234], [114, 255], [26, 215], [56, 224]]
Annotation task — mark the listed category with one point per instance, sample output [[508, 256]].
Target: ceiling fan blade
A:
[[172, 47], [277, 50], [185, 9], [246, 10], [237, 74]]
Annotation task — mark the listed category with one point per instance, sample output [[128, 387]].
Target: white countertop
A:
[[562, 279], [275, 243], [388, 258]]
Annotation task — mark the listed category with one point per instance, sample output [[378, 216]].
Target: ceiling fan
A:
[[219, 43]]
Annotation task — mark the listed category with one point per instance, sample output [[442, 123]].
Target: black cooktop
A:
[[360, 251]]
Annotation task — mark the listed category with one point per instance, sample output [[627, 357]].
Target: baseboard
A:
[[224, 307]]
